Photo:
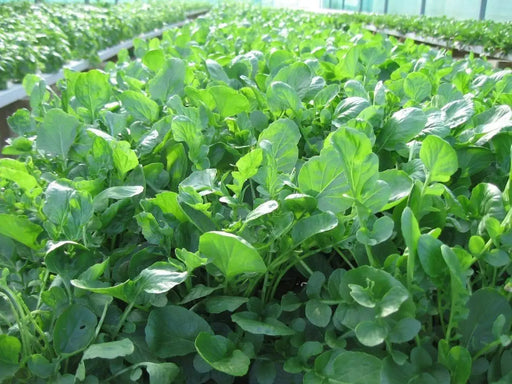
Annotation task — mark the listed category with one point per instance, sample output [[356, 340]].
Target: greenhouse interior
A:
[[256, 192]]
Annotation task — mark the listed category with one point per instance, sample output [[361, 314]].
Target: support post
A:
[[360, 5], [423, 5], [343, 4], [330, 4], [386, 6], [483, 7]]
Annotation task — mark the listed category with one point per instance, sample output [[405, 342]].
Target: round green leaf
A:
[[318, 313], [312, 225], [161, 373], [109, 350], [74, 329], [229, 101], [349, 367], [417, 86], [371, 333], [10, 348], [299, 202], [404, 330], [221, 354], [250, 322], [265, 371], [171, 331], [439, 158], [231, 254], [40, 366]]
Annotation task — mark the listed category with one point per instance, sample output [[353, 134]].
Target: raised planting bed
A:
[[484, 38], [43, 37], [16, 92], [260, 197]]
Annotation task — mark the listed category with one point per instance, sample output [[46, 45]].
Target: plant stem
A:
[[16, 310], [440, 310], [123, 318], [338, 250], [102, 319], [486, 349], [264, 289], [369, 253], [43, 285]]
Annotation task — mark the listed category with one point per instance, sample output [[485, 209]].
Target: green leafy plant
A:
[[239, 203], [43, 37]]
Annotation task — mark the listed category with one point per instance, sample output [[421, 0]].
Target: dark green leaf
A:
[[57, 133], [221, 354], [218, 304], [404, 330], [403, 126], [371, 333], [109, 350], [74, 329], [318, 313], [10, 349], [439, 158], [249, 322], [140, 106], [313, 225], [417, 86], [229, 102], [485, 305], [20, 229], [92, 90], [172, 330], [231, 254]]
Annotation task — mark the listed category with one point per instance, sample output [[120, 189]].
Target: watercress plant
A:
[[260, 197]]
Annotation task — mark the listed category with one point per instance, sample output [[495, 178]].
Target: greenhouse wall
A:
[[410, 7], [499, 10]]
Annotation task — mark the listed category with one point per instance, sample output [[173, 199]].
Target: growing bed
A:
[[259, 197]]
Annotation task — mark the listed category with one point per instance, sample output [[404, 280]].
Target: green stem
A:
[[43, 285], [494, 275], [450, 321], [298, 259], [253, 191], [102, 319], [486, 349], [264, 289], [410, 268], [305, 266], [440, 310], [18, 318], [276, 282], [118, 373], [369, 253], [123, 318], [338, 250]]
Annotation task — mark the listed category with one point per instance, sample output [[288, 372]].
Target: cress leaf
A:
[[439, 158], [231, 254], [221, 354]]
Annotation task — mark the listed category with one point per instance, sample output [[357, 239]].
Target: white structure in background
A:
[[302, 4]]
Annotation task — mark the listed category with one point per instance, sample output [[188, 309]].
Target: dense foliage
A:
[[495, 37], [259, 195], [42, 37]]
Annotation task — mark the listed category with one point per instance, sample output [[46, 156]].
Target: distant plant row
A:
[[494, 37], [43, 37]]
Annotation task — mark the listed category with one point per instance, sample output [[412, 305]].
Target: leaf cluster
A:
[[260, 197], [43, 37]]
